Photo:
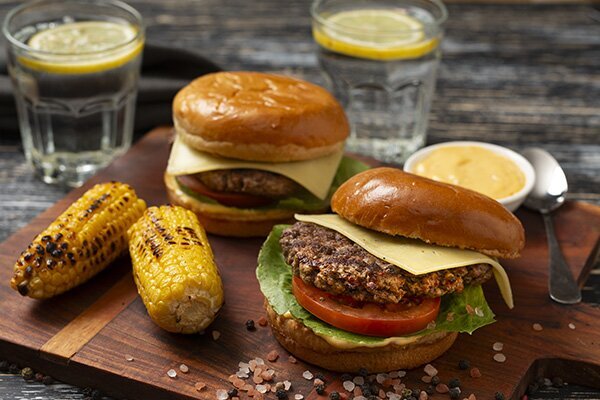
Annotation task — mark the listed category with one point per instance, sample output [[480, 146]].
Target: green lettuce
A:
[[303, 200], [275, 279]]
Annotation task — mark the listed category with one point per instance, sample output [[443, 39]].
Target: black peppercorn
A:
[[281, 394], [346, 377], [454, 393], [435, 380], [320, 376], [430, 389], [454, 383], [4, 365], [87, 391], [47, 380], [320, 389], [39, 377], [250, 325], [499, 396], [232, 392], [363, 372], [464, 364], [336, 396], [557, 382]]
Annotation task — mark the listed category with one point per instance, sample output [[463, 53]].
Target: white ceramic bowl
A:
[[511, 202]]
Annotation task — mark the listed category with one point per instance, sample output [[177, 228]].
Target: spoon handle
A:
[[562, 285]]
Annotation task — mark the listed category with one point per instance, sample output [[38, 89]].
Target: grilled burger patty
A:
[[249, 181], [333, 263]]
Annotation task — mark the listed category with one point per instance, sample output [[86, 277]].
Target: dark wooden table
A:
[[516, 75]]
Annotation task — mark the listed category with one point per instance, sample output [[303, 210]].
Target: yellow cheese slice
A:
[[414, 256], [315, 175]]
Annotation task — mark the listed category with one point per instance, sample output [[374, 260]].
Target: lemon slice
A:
[[378, 34], [83, 47]]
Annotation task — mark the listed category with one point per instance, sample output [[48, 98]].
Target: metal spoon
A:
[[547, 195]]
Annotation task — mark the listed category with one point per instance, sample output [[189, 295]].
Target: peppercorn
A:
[[96, 395], [14, 369], [346, 377], [430, 390], [363, 372], [499, 396], [320, 389], [27, 374], [87, 391], [406, 392], [320, 376], [4, 365], [366, 390], [281, 394], [47, 380], [416, 392], [435, 380], [39, 377], [232, 392], [250, 325], [336, 396], [454, 382], [411, 398], [464, 364], [454, 393]]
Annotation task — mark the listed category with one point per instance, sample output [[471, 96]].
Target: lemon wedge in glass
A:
[[83, 47], [377, 34]]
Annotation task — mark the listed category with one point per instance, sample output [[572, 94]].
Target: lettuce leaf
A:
[[275, 279], [304, 200]]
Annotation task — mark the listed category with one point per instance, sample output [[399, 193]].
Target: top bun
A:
[[398, 203], [259, 117]]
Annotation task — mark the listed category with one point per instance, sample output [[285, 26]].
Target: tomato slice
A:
[[370, 319], [239, 200]]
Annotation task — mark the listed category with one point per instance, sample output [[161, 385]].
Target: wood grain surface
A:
[[517, 75], [101, 361]]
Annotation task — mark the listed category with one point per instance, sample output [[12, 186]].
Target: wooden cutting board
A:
[[83, 336]]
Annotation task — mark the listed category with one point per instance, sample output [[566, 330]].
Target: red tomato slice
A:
[[370, 319], [239, 200]]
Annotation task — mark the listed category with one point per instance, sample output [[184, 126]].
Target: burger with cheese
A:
[[252, 149], [389, 280]]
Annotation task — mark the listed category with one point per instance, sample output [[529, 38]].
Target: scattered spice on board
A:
[[475, 373], [250, 325], [537, 327], [273, 356], [216, 335], [498, 346], [430, 370], [499, 357], [262, 321], [128, 357], [571, 326], [200, 386], [442, 388], [464, 364], [172, 373], [184, 368]]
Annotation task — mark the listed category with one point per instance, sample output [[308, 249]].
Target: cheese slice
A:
[[414, 256], [315, 175]]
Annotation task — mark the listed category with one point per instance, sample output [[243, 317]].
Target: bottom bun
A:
[[228, 221], [303, 343]]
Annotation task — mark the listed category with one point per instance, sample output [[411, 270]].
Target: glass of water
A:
[[381, 58], [74, 66]]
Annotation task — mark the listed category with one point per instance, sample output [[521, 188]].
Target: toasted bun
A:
[[259, 117], [227, 221], [398, 203], [303, 343]]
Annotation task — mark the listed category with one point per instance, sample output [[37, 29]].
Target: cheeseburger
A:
[[252, 149], [388, 281]]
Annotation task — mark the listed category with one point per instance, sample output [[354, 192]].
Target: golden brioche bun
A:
[[391, 201], [303, 343], [259, 117], [227, 221]]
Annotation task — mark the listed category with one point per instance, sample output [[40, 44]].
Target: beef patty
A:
[[249, 181], [328, 260]]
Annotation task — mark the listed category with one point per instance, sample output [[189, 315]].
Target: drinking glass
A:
[[381, 58], [74, 67]]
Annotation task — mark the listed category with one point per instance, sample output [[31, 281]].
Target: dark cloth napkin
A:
[[165, 70]]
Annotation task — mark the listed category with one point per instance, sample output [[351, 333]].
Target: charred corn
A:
[[174, 269], [81, 242]]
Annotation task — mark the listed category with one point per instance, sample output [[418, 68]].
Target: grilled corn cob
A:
[[81, 242], [174, 269]]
